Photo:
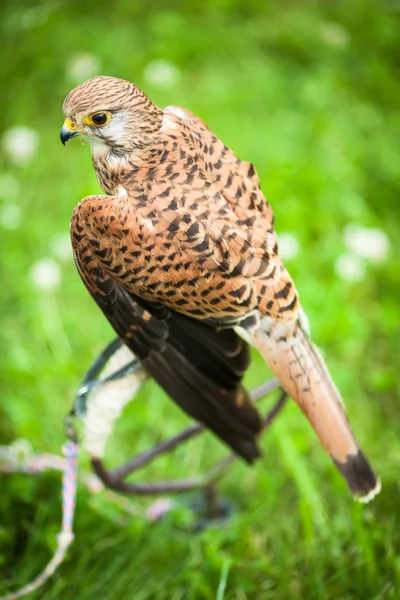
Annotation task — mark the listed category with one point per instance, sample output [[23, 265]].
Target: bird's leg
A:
[[214, 508]]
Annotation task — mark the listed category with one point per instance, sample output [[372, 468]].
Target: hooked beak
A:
[[69, 130]]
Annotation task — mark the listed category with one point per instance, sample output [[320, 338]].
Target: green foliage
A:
[[308, 91]]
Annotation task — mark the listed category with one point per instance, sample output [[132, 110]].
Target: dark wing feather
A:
[[219, 353], [198, 366]]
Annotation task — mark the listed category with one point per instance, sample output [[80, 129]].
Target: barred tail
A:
[[302, 371]]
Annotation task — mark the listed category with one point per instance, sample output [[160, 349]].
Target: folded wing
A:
[[198, 366]]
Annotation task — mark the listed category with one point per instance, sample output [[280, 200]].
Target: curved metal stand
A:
[[115, 478]]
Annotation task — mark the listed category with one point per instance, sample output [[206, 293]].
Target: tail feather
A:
[[362, 481], [302, 371]]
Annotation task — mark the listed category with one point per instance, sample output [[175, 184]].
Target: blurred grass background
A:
[[309, 91]]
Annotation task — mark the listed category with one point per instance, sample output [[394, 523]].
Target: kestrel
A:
[[182, 257]]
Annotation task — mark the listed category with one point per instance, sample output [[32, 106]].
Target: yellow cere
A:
[[70, 124]]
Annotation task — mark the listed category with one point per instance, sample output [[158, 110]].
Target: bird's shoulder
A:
[[235, 179]]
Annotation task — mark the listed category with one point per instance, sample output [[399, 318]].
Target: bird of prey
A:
[[181, 256]]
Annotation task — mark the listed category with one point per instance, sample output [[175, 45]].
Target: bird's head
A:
[[112, 114]]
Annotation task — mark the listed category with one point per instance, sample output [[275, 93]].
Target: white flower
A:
[[21, 449], [161, 73], [11, 216], [350, 268], [9, 187], [60, 247], [371, 244], [158, 508], [45, 274], [94, 484], [334, 34], [20, 143], [82, 66], [288, 246]]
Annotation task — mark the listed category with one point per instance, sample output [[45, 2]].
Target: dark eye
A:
[[99, 119]]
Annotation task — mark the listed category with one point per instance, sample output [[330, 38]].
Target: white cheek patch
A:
[[115, 131], [117, 127], [99, 147]]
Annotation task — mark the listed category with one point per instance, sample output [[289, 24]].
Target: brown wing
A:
[[198, 366]]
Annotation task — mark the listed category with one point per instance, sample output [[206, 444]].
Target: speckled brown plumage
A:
[[183, 249]]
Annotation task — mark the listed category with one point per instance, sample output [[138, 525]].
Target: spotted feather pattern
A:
[[184, 229], [196, 240]]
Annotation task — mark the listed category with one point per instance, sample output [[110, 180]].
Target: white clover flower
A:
[[288, 246], [350, 268], [60, 247], [11, 216], [93, 483], [9, 187], [371, 244], [161, 73], [158, 508], [82, 66], [335, 34], [45, 274], [21, 449], [20, 143]]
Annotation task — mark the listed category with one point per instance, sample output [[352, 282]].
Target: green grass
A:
[[310, 93]]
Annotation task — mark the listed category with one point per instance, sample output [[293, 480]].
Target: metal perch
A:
[[115, 478]]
